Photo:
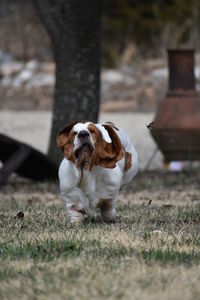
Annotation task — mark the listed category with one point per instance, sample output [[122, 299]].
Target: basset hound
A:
[[99, 159]]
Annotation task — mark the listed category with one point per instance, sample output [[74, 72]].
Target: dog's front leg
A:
[[76, 205], [75, 213]]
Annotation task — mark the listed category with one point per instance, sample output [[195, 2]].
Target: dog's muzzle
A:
[[85, 145]]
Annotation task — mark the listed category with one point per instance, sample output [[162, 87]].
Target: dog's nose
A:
[[83, 134]]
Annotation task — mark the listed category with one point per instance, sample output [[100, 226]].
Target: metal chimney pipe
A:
[[181, 70], [176, 127]]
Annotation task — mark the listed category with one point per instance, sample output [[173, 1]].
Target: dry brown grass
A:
[[152, 251]]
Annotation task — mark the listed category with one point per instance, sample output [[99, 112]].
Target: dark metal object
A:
[[176, 127], [13, 163], [24, 160], [181, 70]]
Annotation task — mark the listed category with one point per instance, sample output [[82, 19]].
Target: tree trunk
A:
[[74, 28]]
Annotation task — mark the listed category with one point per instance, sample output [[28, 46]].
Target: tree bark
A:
[[74, 28]]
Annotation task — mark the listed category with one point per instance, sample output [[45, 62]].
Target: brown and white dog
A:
[[99, 160]]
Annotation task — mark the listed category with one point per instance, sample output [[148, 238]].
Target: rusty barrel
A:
[[176, 127]]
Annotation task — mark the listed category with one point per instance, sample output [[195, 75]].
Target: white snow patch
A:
[[41, 80], [112, 76], [22, 77], [161, 73], [10, 68], [32, 65]]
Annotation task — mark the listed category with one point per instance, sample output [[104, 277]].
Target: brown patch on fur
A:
[[128, 162], [65, 140], [105, 204], [112, 124], [105, 154], [106, 207], [76, 208]]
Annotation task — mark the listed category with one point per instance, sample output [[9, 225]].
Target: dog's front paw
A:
[[76, 215], [76, 221]]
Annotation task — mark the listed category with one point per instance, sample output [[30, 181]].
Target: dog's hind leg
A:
[[108, 212]]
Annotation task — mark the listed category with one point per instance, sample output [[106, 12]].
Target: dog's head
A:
[[87, 144]]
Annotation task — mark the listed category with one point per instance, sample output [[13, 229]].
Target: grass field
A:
[[152, 251]]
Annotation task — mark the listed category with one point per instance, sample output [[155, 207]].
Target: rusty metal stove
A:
[[176, 128]]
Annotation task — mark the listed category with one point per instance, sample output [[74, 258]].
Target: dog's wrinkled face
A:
[[88, 144], [83, 145]]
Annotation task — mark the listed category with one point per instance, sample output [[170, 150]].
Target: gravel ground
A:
[[33, 127]]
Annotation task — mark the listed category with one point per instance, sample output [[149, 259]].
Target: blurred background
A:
[[134, 76], [135, 36]]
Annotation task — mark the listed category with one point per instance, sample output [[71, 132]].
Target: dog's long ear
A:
[[109, 153], [63, 135]]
